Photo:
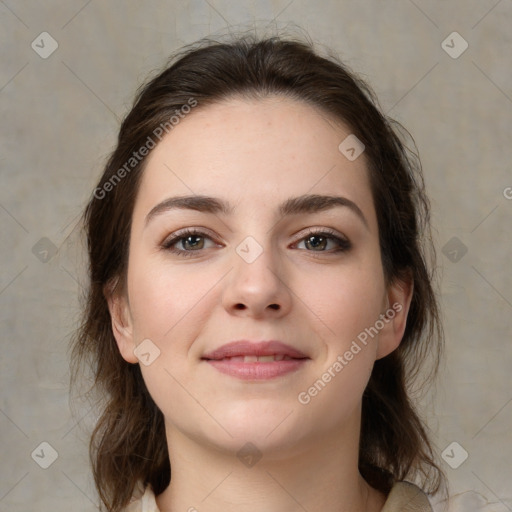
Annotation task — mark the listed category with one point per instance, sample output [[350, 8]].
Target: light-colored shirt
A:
[[404, 497]]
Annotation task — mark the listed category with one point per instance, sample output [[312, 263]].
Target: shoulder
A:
[[143, 501], [407, 497]]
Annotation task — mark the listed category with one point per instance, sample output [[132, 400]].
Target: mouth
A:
[[256, 360], [258, 349]]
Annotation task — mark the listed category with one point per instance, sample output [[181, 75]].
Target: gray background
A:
[[60, 116]]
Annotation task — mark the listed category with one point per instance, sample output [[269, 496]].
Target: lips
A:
[[256, 361], [250, 352]]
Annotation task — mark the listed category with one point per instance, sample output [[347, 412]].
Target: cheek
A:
[[163, 297], [347, 300], [348, 305], [169, 306]]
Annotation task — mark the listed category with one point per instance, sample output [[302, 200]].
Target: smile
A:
[[257, 367], [257, 359]]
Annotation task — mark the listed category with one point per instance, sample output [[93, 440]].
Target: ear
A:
[[120, 315], [397, 304]]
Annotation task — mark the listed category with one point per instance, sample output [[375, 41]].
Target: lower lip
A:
[[257, 371]]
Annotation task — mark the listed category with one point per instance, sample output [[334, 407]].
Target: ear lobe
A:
[[121, 322], [399, 296]]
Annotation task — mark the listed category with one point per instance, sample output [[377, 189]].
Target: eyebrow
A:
[[308, 203]]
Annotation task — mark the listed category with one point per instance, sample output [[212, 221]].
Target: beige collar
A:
[[404, 497]]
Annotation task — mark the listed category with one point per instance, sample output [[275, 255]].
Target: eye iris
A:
[[310, 240], [196, 244]]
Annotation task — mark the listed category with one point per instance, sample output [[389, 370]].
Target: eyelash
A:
[[344, 244]]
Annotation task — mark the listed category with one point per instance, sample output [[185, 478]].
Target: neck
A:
[[322, 476]]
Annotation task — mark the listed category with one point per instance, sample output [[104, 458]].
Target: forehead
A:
[[257, 150]]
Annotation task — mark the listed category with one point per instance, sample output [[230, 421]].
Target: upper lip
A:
[[254, 348]]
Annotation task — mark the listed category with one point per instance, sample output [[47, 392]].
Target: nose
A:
[[257, 288]]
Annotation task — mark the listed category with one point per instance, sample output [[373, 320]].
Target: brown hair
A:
[[128, 444]]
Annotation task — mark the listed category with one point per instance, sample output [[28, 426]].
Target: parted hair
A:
[[128, 445]]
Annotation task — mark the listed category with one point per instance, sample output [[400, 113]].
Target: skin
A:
[[255, 154]]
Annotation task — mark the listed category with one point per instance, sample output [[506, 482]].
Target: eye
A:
[[187, 242], [319, 241]]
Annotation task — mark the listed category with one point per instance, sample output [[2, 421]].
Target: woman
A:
[[259, 297]]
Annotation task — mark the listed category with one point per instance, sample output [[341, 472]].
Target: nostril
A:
[[243, 306]]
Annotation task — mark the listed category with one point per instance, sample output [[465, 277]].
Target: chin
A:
[[269, 426]]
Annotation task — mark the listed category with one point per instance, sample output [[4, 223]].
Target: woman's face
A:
[[253, 270]]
